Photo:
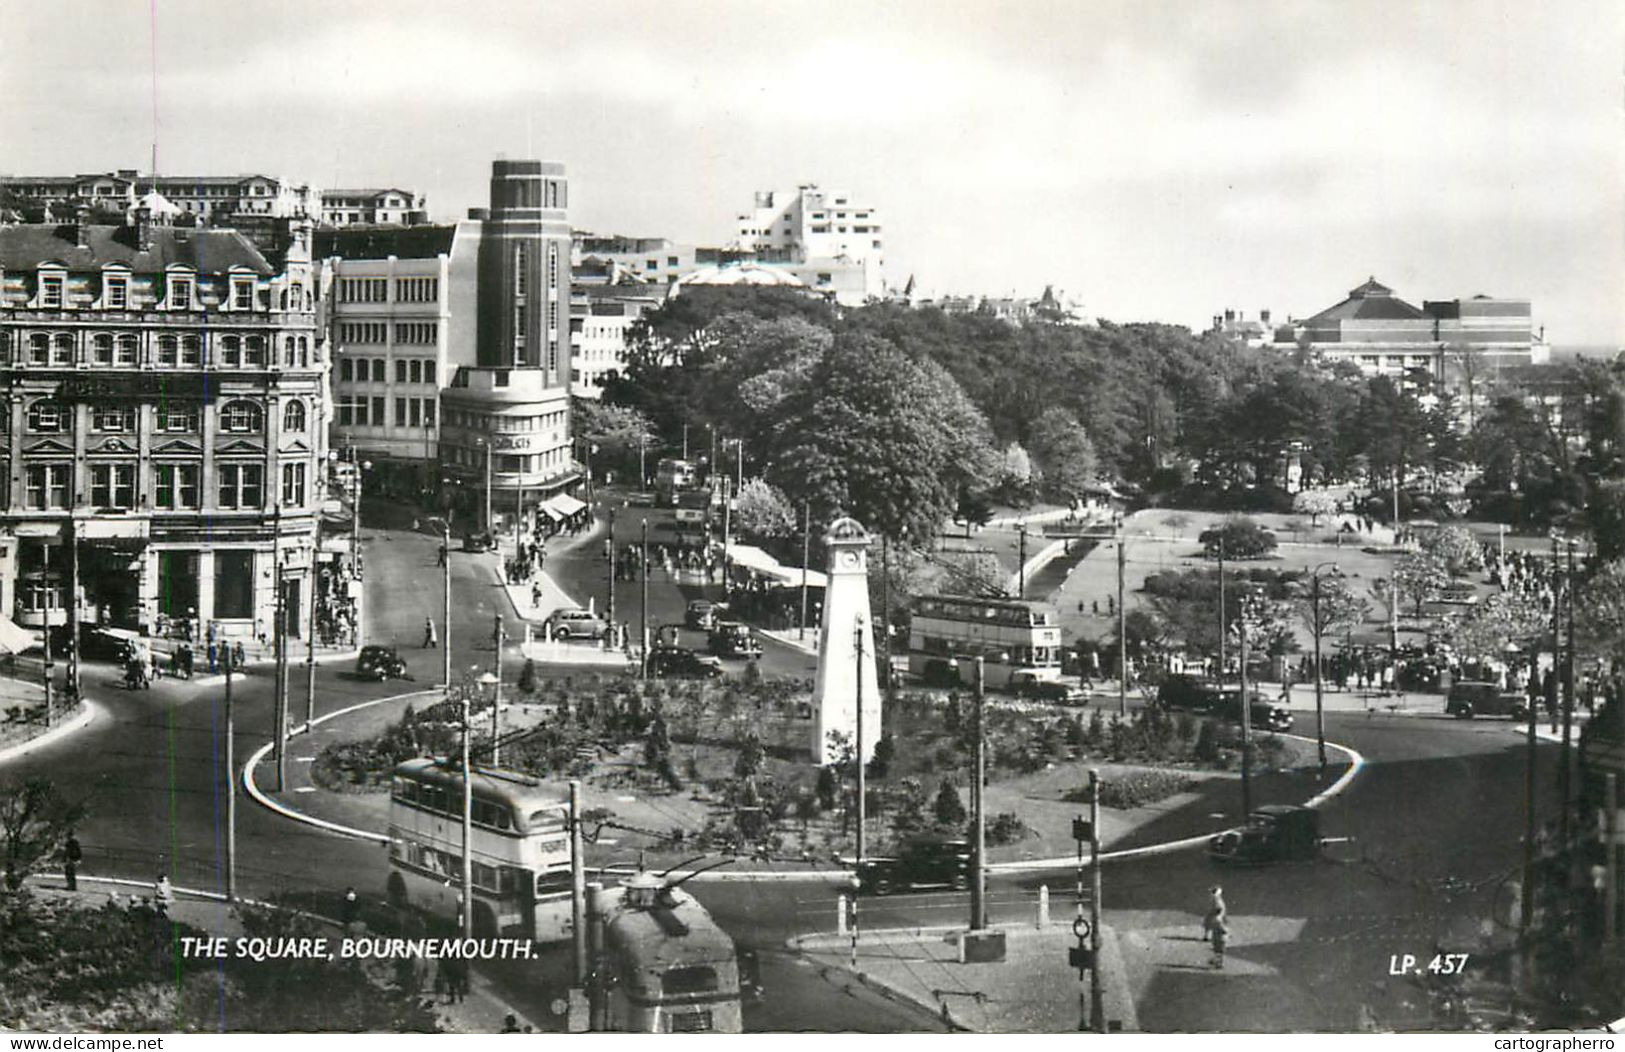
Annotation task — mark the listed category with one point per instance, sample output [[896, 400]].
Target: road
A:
[[1441, 798]]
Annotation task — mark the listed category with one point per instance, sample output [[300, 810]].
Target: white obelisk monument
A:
[[845, 675]]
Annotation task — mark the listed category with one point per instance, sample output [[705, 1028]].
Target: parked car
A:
[[1261, 714], [1057, 691], [1273, 833], [574, 623], [381, 663], [733, 639], [477, 542], [682, 663], [1182, 691], [701, 613], [1471, 698], [919, 864]]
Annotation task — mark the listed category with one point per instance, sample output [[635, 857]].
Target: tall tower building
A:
[[524, 300]]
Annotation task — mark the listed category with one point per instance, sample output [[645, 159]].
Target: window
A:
[[128, 350], [233, 584], [378, 417], [364, 290], [378, 373], [415, 405], [242, 293], [191, 350], [419, 333], [429, 412], [62, 349], [178, 416], [101, 349], [254, 352], [363, 332], [293, 416], [417, 290], [346, 370], [521, 268], [39, 349], [168, 351], [47, 418], [112, 485], [51, 291], [428, 372], [400, 412], [241, 417], [400, 370], [290, 352], [241, 485], [293, 484], [116, 292], [47, 486], [417, 370], [231, 352], [113, 418], [180, 292]]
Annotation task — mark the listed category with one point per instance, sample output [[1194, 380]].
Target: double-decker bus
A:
[[519, 845], [668, 967], [1016, 639], [672, 477]]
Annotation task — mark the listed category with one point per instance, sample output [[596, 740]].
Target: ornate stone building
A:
[[164, 420]]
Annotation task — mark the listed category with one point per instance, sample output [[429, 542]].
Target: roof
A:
[[381, 242], [743, 274], [1372, 301], [210, 251], [369, 191]]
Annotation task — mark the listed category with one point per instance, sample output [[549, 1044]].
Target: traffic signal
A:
[[1080, 957]]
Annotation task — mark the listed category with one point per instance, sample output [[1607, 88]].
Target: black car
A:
[[1260, 713], [1274, 833], [733, 639], [381, 663], [682, 663], [1052, 690], [1194, 693], [478, 542], [920, 864]]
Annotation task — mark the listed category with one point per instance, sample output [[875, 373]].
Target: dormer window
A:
[[242, 293], [52, 292], [181, 289], [116, 292]]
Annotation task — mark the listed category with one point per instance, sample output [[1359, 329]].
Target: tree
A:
[[1421, 576], [1015, 479], [885, 751], [1314, 503], [35, 819], [1239, 538], [620, 433], [751, 756], [948, 809], [1063, 453], [1599, 612], [762, 510], [973, 510], [1505, 618], [1456, 549], [657, 745], [829, 786], [1338, 607]]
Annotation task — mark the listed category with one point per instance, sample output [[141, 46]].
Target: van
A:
[[1471, 698]]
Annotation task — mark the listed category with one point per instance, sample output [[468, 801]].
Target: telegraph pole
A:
[[613, 625], [578, 886], [231, 784], [1122, 625], [279, 641], [1223, 625], [857, 639], [885, 616], [445, 635], [806, 556], [978, 877], [1320, 714], [727, 538], [310, 628], [1021, 567], [73, 615], [497, 636], [50, 601], [489, 525], [467, 911], [1246, 721], [1097, 1000], [1565, 775], [643, 602]]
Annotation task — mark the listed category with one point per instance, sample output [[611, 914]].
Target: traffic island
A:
[[1032, 989]]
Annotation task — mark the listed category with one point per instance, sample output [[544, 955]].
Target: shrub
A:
[[1207, 745], [1239, 537], [1006, 828], [948, 809], [829, 785], [1140, 788], [527, 677]]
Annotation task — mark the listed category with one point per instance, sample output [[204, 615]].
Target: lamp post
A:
[[491, 684], [1319, 627], [858, 628], [445, 626], [497, 638], [466, 913], [643, 603], [231, 782], [489, 528], [1247, 609]]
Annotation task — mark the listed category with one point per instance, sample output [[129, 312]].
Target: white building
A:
[[822, 234]]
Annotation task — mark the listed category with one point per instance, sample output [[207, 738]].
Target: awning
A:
[[13, 640], [753, 558], [546, 508], [566, 504]]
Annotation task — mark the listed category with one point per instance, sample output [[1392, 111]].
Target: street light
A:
[[492, 685], [1319, 627]]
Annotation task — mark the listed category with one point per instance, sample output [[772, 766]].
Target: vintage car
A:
[[701, 613], [1191, 693], [1470, 698], [734, 639], [682, 663], [1273, 833], [574, 623], [477, 542], [1261, 714], [919, 864], [381, 663], [1056, 691]]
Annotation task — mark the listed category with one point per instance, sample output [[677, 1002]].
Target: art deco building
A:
[[164, 421]]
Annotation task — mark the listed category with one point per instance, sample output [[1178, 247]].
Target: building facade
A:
[[165, 421], [821, 234], [388, 206], [1385, 336], [601, 320], [207, 198]]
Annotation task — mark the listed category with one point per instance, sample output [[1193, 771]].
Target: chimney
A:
[[143, 229], [81, 226], [1264, 316], [1229, 315], [1218, 322]]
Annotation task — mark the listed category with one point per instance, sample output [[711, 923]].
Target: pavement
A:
[[1033, 990], [482, 1012]]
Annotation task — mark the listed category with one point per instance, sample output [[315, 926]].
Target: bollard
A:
[[1043, 905], [840, 915]]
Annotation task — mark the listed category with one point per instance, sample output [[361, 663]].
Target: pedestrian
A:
[[430, 639], [214, 658], [1221, 939], [349, 909], [442, 559], [1215, 911], [163, 895], [237, 654], [72, 854], [457, 979], [186, 660]]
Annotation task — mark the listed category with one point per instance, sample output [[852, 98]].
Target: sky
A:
[[1153, 160]]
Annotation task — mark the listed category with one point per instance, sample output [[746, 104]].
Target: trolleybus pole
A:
[[578, 886]]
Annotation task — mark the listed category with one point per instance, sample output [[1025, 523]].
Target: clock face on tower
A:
[[849, 560]]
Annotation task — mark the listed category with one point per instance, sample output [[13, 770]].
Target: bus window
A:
[[694, 979], [545, 819], [557, 883]]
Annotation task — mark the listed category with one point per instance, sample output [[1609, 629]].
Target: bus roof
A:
[[492, 783], [980, 601], [677, 932]]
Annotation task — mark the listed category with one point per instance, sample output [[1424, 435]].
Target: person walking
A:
[[349, 910], [441, 561], [163, 895], [237, 654], [430, 638], [1215, 911], [72, 854], [1221, 939]]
